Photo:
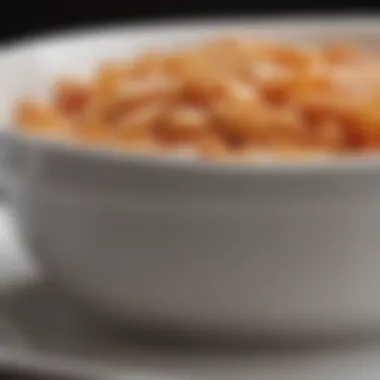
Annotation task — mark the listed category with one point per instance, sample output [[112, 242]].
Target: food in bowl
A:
[[224, 98]]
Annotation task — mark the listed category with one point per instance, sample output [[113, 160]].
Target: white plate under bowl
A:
[[41, 332]]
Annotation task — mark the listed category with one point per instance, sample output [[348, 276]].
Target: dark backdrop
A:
[[23, 17]]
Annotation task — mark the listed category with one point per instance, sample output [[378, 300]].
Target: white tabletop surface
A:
[[38, 329]]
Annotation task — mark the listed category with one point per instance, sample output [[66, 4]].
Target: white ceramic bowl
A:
[[286, 247]]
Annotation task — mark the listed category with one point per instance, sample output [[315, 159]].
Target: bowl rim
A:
[[367, 25]]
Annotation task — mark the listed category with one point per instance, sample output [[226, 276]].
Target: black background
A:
[[20, 18]]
